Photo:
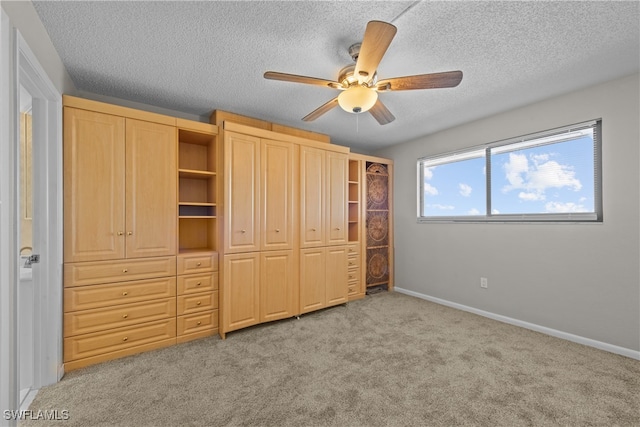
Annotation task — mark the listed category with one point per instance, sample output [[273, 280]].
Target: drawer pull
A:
[[277, 230], [199, 323], [125, 339], [198, 264], [124, 270], [125, 293], [198, 284], [351, 263], [243, 231], [351, 277], [313, 229], [338, 228], [198, 303], [124, 316]]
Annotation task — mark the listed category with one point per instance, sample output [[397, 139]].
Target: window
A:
[[549, 176]]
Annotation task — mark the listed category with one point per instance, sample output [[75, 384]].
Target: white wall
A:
[[581, 279], [24, 17]]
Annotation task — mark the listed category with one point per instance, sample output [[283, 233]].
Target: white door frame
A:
[[23, 68]]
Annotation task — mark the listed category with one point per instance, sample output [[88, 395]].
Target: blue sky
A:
[[552, 178]]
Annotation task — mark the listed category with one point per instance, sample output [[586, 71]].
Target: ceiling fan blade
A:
[[273, 75], [421, 81], [321, 110], [381, 113], [377, 38]]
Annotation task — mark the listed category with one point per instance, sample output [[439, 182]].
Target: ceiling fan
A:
[[359, 82]]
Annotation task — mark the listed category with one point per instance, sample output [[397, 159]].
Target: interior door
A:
[[27, 251]]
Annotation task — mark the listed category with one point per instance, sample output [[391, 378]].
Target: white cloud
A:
[[537, 176], [430, 189], [530, 197], [514, 169], [428, 172], [495, 211], [465, 190], [474, 211], [559, 207], [442, 207]]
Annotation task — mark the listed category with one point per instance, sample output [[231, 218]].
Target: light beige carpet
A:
[[387, 360]]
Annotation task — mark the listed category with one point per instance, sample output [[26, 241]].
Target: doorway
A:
[[31, 224]]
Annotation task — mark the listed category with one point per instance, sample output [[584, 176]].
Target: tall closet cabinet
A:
[[285, 226], [176, 230], [140, 267]]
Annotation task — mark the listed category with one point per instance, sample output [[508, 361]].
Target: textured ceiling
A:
[[195, 57]]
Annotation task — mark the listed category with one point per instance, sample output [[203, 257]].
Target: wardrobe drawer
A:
[[88, 345], [197, 302], [197, 322], [353, 274], [95, 296], [195, 283], [353, 250], [87, 321], [197, 263], [89, 273]]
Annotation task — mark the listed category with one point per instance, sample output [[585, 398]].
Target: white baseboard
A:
[[25, 400], [542, 329]]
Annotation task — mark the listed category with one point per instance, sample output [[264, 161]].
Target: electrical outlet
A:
[[484, 282]]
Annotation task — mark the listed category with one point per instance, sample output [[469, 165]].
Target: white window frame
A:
[[551, 136]]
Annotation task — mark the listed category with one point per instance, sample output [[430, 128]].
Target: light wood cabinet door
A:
[[242, 196], [312, 279], [312, 204], [277, 175], [94, 186], [151, 189], [278, 296], [241, 291], [336, 198], [336, 277]]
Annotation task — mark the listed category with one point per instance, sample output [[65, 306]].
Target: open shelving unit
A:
[[354, 201], [197, 187]]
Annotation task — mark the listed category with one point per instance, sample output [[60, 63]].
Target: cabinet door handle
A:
[[338, 228], [124, 270], [277, 230], [120, 233], [125, 293], [125, 338], [313, 229], [129, 233], [124, 316]]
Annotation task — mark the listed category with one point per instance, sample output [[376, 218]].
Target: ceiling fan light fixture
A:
[[357, 99]]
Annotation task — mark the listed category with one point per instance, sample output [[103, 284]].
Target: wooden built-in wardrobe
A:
[[176, 230]]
